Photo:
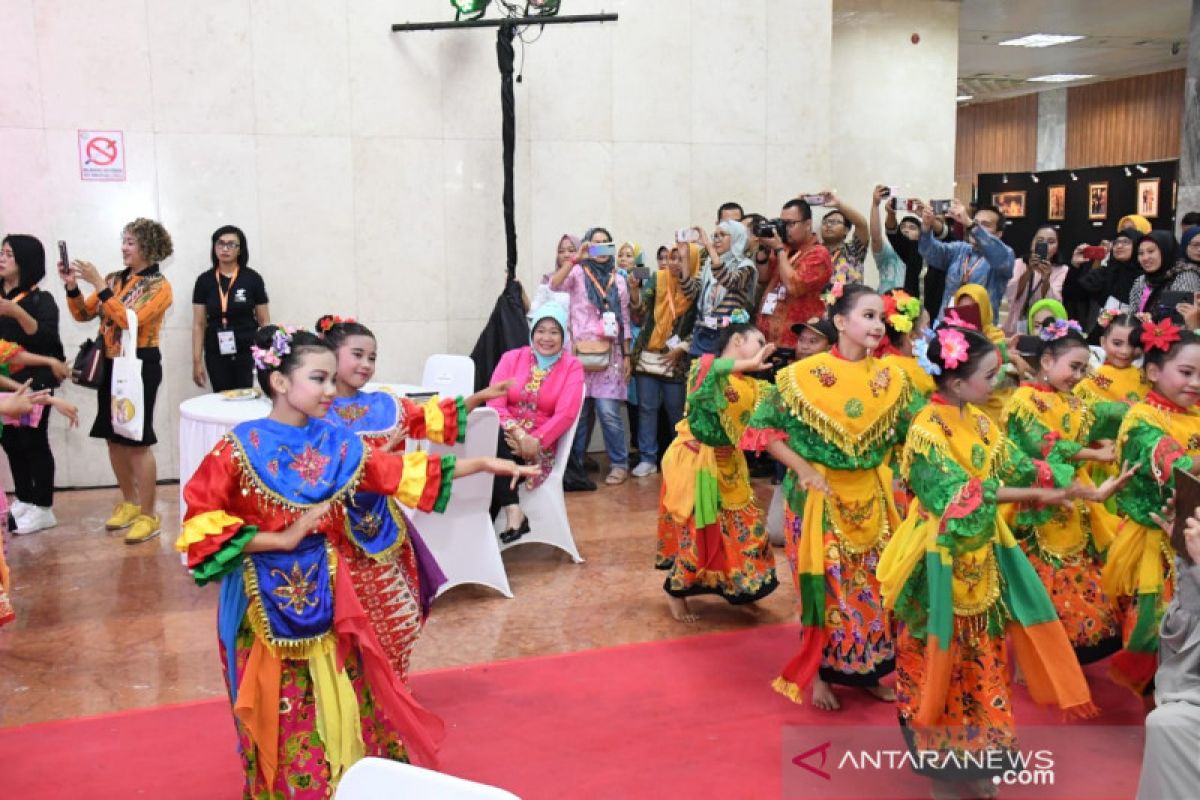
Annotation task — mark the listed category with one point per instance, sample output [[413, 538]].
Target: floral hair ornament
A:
[[327, 322], [1053, 331], [952, 318], [739, 316], [1160, 335], [1107, 316], [834, 293], [281, 345], [901, 310], [921, 351], [955, 349]]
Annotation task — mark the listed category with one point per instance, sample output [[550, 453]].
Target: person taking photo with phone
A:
[[142, 288], [29, 318], [1038, 278], [601, 330], [983, 258]]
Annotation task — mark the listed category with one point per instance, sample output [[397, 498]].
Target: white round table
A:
[[205, 419]]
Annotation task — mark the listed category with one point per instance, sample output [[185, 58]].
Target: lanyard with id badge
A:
[[226, 342]]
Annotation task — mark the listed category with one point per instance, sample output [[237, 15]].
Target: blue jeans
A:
[[652, 394], [612, 425]]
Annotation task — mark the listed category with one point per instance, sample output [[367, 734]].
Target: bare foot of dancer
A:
[[680, 610], [823, 697], [880, 692]]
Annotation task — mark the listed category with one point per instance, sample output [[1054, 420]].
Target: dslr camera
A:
[[771, 227]]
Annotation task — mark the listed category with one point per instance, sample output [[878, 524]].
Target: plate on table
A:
[[241, 394]]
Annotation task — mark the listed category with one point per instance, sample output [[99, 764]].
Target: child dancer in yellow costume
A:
[[723, 547], [833, 419], [958, 584], [1066, 545], [1116, 380], [1158, 435], [906, 320]]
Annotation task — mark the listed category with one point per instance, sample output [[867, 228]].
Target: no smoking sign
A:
[[101, 156]]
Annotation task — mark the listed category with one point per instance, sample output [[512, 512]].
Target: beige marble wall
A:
[[892, 101], [365, 169]]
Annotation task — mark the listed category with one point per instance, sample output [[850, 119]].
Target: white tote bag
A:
[[128, 403]]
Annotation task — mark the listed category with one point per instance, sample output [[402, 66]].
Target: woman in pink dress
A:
[[601, 332]]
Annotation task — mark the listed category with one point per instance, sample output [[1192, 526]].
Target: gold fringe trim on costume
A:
[[986, 570], [296, 649], [789, 690], [833, 431], [920, 441], [252, 483], [1022, 409]]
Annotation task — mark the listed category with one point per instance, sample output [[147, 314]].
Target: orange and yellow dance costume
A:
[[843, 417], [1157, 436], [1067, 546], [706, 495], [959, 587]]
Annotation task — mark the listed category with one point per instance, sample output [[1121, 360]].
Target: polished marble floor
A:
[[106, 627]]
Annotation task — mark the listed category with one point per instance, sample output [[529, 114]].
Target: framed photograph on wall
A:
[[1147, 197], [1056, 202], [1011, 204], [1098, 200]]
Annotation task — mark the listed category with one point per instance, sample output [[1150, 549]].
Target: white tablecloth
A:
[[204, 420]]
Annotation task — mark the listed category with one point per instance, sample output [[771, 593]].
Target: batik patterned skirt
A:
[[735, 562]]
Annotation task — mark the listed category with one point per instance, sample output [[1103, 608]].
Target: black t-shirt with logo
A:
[[247, 293]]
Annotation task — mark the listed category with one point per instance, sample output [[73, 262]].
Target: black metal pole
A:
[[500, 23], [508, 129]]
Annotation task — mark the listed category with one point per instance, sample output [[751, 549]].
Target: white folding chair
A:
[[380, 779], [449, 375], [546, 507], [462, 539]]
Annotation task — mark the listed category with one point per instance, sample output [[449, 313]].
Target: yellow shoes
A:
[[143, 529], [123, 516]]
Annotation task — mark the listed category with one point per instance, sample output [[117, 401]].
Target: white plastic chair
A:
[[462, 539], [380, 779], [449, 375], [546, 507]]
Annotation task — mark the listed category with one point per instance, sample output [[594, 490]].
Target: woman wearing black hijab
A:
[[1116, 276], [1157, 256]]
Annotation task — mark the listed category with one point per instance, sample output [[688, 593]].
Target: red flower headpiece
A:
[[328, 321], [1160, 335]]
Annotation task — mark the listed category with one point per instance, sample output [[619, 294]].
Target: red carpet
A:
[[689, 717]]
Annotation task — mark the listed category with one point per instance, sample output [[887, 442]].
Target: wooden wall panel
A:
[[1124, 121], [997, 137]]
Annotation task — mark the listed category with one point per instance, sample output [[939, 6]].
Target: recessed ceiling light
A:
[[1058, 77], [1041, 40], [963, 97]]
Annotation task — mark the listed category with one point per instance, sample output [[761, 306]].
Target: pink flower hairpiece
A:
[[954, 347], [281, 345], [834, 293], [1058, 329], [1107, 316]]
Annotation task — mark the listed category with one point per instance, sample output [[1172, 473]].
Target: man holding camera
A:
[[798, 272], [841, 232], [983, 259]]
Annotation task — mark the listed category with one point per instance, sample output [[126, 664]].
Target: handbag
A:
[[88, 367], [657, 365], [595, 356], [128, 396]]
